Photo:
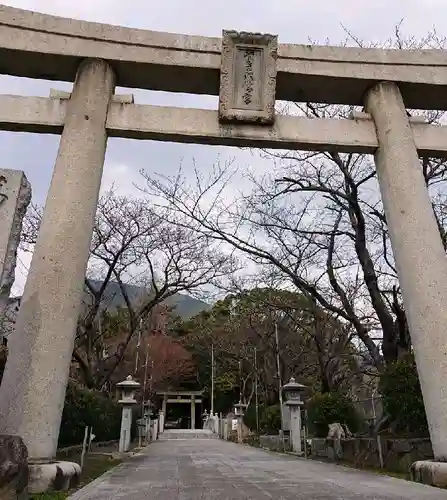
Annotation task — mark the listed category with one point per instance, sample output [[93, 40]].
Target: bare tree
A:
[[319, 352], [133, 245], [316, 223]]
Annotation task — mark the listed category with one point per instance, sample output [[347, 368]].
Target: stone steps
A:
[[187, 434]]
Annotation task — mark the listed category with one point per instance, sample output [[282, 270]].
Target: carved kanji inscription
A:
[[248, 77]]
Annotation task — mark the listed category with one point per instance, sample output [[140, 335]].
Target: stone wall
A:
[[274, 443], [398, 454], [69, 451]]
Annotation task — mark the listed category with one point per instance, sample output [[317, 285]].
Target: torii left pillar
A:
[[33, 388]]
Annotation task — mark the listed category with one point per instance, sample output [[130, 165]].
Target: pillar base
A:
[[53, 476], [430, 472]]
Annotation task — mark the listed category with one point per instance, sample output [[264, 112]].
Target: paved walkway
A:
[[209, 469]]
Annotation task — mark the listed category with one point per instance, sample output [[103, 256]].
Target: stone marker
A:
[[15, 196], [248, 77]]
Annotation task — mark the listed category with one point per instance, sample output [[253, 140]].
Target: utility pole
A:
[[212, 379], [240, 381], [138, 348], [151, 377], [143, 400], [256, 392], [279, 379]]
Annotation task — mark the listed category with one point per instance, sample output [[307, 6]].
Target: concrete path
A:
[[209, 469]]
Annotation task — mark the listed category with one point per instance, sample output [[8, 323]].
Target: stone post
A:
[[15, 196], [225, 429], [418, 251], [293, 392], [164, 404], [33, 388], [155, 429], [193, 412], [147, 420], [141, 428], [204, 419], [127, 401], [161, 419], [216, 423]]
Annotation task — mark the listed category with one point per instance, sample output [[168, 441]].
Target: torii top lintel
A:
[[41, 46], [180, 393]]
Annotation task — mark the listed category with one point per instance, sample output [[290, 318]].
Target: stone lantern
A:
[[128, 388], [293, 391], [239, 410]]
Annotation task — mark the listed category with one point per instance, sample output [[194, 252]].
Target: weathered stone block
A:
[[430, 472], [53, 476], [13, 468], [248, 77]]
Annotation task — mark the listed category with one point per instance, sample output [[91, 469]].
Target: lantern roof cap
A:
[[293, 385], [129, 383], [240, 405]]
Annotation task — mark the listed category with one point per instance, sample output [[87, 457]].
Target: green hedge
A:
[[329, 408], [402, 398], [84, 407], [269, 419], [250, 417]]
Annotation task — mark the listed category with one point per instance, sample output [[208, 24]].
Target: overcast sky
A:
[[295, 21]]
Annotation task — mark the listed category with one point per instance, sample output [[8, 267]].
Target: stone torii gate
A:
[[249, 72], [176, 397]]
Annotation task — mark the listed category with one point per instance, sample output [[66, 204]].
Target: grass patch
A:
[[94, 466], [55, 495], [366, 468]]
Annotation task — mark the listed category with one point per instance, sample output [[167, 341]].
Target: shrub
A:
[[84, 407], [402, 397], [270, 419], [250, 417], [330, 407]]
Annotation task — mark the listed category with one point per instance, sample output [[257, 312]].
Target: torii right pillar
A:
[[420, 260]]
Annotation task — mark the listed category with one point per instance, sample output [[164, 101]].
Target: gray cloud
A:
[[295, 21]]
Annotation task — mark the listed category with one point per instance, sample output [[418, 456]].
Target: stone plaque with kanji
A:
[[248, 77]]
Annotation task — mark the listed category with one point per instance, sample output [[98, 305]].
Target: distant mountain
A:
[[185, 305]]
